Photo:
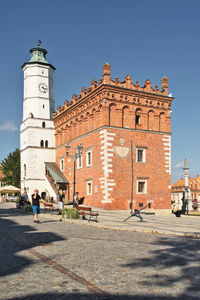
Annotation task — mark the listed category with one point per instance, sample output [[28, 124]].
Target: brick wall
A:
[[111, 171], [105, 119]]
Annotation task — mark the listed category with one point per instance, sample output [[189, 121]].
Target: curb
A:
[[111, 227]]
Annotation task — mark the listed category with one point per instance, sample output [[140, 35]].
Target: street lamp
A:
[[78, 153]]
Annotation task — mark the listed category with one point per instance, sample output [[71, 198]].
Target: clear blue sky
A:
[[146, 39]]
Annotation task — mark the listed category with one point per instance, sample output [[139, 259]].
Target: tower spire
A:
[[39, 43]]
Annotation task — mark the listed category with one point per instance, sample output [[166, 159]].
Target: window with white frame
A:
[[62, 164], [79, 162], [141, 186], [88, 158], [89, 187], [140, 155]]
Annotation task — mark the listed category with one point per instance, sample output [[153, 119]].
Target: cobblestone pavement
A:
[[188, 226], [59, 260]]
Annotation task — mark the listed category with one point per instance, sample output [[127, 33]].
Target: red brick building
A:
[[106, 118]]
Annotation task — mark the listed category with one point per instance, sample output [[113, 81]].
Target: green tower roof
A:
[[38, 55]]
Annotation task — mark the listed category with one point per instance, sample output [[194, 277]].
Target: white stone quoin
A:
[[37, 143], [107, 184]]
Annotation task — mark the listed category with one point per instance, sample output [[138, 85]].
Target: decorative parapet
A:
[[126, 84]]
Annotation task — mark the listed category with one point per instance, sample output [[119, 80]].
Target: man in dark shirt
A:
[[36, 205]]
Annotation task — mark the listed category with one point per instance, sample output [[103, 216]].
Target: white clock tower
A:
[[37, 142]]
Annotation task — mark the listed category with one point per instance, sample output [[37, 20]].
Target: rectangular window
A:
[[137, 120], [89, 187], [79, 162], [88, 158], [140, 155], [142, 187], [62, 164]]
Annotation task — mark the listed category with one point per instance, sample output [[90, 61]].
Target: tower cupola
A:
[[38, 55]]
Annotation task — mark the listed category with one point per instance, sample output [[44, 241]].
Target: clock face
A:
[[42, 87]]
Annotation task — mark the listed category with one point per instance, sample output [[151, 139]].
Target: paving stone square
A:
[[65, 260]]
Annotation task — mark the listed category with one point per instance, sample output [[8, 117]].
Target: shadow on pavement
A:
[[180, 253], [12, 212], [52, 221], [14, 238], [77, 296]]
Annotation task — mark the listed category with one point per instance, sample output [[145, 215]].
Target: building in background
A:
[[186, 192], [124, 129], [107, 118]]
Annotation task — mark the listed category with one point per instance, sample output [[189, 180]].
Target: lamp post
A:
[[78, 153]]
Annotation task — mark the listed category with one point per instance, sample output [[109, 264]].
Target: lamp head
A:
[[67, 148], [80, 148]]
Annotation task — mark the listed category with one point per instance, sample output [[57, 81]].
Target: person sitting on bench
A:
[[76, 200], [61, 198]]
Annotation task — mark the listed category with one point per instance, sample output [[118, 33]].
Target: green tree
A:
[[11, 169]]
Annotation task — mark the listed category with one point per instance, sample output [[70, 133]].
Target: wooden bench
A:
[[50, 208], [87, 211]]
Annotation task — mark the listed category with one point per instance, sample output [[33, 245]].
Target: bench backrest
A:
[[48, 204], [84, 208]]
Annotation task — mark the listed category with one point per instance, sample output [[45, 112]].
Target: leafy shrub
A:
[[18, 199], [70, 213], [28, 208]]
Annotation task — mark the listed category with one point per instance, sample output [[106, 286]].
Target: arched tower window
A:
[[162, 122], [46, 144], [151, 120], [138, 117], [137, 120], [42, 143], [31, 115], [125, 116], [112, 114], [43, 124]]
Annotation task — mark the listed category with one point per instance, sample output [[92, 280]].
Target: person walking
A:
[[36, 205], [61, 198], [76, 200]]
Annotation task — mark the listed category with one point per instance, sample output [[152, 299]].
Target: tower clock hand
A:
[[42, 87]]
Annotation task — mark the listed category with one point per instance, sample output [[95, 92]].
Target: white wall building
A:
[[37, 142], [181, 192]]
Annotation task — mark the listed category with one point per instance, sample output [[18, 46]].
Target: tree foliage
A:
[[11, 169]]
